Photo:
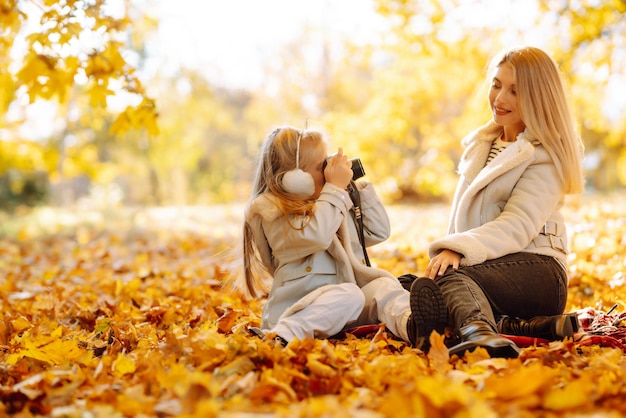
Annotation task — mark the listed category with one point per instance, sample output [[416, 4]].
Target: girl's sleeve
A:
[[376, 224], [308, 236]]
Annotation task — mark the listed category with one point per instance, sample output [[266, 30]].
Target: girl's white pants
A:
[[386, 301], [337, 307]]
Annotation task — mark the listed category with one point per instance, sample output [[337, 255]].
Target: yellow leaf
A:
[[573, 395], [134, 402], [520, 382], [7, 91], [318, 367], [20, 324], [239, 366], [113, 57], [57, 333], [438, 354], [56, 352], [98, 94], [123, 365]]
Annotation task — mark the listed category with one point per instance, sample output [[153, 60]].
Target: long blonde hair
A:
[[277, 157], [546, 112]]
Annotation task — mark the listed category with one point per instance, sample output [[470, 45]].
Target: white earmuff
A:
[[297, 181]]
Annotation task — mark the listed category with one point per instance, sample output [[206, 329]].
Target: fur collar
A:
[[477, 147], [266, 205]]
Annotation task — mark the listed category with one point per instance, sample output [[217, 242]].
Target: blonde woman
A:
[[300, 239], [502, 267]]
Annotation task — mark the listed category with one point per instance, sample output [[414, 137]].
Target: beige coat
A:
[[301, 261], [511, 205]]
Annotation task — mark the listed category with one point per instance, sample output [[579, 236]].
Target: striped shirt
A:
[[497, 147]]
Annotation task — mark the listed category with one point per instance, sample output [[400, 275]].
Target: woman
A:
[[502, 267]]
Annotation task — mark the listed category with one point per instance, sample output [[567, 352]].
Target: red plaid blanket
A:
[[596, 327]]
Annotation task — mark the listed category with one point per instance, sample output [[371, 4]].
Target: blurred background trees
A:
[[85, 122]]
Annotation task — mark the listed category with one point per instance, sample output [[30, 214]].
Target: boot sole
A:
[[505, 350], [428, 308]]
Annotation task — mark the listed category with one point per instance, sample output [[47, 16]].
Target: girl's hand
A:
[[338, 170], [440, 263]]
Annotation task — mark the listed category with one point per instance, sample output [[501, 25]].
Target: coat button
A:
[[308, 269]]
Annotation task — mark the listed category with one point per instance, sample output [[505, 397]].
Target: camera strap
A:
[[357, 216]]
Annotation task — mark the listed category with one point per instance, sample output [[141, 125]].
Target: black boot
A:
[[480, 334], [406, 280], [551, 328], [428, 313]]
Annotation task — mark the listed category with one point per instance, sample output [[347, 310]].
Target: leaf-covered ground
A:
[[124, 314]]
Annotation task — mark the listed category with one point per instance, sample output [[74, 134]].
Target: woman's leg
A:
[[521, 285], [336, 306]]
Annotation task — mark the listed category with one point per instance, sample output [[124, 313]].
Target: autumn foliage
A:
[[136, 321], [75, 43], [92, 98]]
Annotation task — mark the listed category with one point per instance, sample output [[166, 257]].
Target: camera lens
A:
[[357, 167]]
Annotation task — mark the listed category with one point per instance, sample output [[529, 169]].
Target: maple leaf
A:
[[438, 354], [572, 396], [123, 365], [523, 382], [141, 116]]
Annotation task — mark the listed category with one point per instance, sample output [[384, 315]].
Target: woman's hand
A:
[[440, 263], [338, 170]]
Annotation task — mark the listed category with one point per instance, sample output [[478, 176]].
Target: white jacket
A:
[[511, 205], [323, 252]]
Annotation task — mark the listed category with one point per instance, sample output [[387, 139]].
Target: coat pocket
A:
[[317, 264]]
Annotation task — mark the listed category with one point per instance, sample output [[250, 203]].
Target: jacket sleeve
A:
[[376, 225], [509, 225], [306, 236]]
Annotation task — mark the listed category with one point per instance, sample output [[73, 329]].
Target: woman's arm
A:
[[534, 198]]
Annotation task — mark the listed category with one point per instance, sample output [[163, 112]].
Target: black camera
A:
[[357, 168]]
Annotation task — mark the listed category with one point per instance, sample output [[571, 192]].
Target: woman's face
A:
[[503, 99]]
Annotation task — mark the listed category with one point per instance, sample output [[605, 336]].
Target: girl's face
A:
[[503, 99], [316, 169]]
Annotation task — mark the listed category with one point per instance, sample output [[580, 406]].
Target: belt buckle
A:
[[552, 244], [550, 228]]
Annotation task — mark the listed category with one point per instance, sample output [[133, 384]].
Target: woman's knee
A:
[[451, 276]]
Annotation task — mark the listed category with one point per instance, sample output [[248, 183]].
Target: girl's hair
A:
[[277, 157], [546, 112]]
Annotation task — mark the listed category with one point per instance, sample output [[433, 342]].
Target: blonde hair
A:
[[277, 157], [546, 112]]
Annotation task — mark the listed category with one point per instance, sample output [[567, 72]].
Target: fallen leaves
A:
[[130, 322]]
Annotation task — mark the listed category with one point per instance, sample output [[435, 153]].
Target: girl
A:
[[502, 268], [299, 234]]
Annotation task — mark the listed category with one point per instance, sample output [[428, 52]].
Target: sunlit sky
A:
[[230, 41]]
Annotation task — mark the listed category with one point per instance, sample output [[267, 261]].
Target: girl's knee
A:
[[382, 285], [353, 293]]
